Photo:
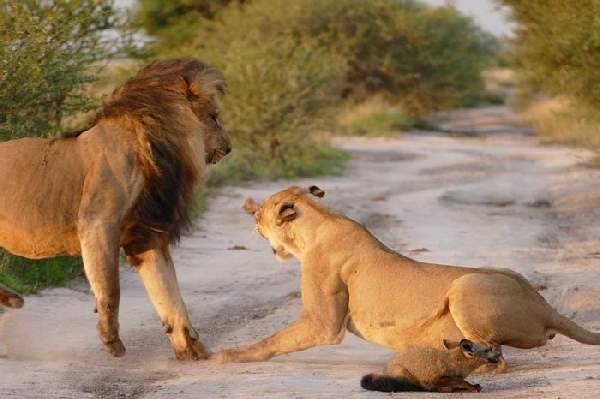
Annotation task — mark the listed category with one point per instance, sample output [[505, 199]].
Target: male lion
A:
[[350, 280], [125, 181]]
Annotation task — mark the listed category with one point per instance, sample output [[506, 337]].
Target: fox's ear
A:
[[450, 344], [250, 206], [316, 191], [467, 347]]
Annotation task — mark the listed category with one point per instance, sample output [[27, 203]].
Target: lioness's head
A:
[[471, 350], [276, 214]]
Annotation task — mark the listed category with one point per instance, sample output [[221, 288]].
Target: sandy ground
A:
[[492, 196]]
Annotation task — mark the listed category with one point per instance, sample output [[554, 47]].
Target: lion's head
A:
[[170, 108], [196, 86], [276, 213]]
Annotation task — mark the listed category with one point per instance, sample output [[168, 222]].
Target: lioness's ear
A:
[[316, 191], [287, 212], [250, 206], [450, 344]]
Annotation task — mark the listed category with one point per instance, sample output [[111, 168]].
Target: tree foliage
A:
[[47, 55], [427, 57], [557, 46], [289, 63], [176, 20]]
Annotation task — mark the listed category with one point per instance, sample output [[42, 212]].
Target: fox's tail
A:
[[10, 298], [384, 383]]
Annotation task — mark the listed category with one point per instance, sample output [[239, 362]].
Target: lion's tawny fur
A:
[[124, 181]]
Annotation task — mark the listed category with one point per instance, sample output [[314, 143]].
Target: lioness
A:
[[433, 369], [350, 280], [127, 180]]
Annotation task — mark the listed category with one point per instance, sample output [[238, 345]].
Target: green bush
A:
[[279, 93], [176, 20], [28, 276], [290, 64], [49, 53], [557, 47], [47, 56], [427, 57]]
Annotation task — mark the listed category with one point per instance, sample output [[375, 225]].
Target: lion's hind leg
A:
[[101, 266]]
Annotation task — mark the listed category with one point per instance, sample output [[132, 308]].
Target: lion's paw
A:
[[193, 351], [115, 348]]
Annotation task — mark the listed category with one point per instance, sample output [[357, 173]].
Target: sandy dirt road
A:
[[493, 198]]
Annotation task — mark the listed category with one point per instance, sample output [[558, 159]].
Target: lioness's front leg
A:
[[323, 322], [157, 272]]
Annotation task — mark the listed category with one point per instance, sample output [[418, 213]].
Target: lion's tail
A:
[[572, 330], [385, 383], [10, 298]]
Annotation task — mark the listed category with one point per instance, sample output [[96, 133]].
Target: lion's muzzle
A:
[[223, 148]]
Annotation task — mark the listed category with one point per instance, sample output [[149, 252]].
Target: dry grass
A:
[[374, 117], [558, 120], [498, 79]]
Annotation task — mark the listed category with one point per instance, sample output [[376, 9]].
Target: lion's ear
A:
[[316, 191], [250, 206], [206, 82], [286, 213]]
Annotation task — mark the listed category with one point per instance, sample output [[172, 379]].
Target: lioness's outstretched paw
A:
[[237, 356], [227, 356], [115, 348]]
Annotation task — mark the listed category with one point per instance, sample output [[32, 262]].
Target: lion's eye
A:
[[215, 119]]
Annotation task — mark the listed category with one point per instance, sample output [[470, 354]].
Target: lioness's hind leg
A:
[[496, 309], [157, 272]]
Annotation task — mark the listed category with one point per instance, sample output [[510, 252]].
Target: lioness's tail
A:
[[10, 298], [384, 383], [574, 331]]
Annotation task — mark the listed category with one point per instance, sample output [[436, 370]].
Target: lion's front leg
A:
[[157, 272], [100, 252]]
